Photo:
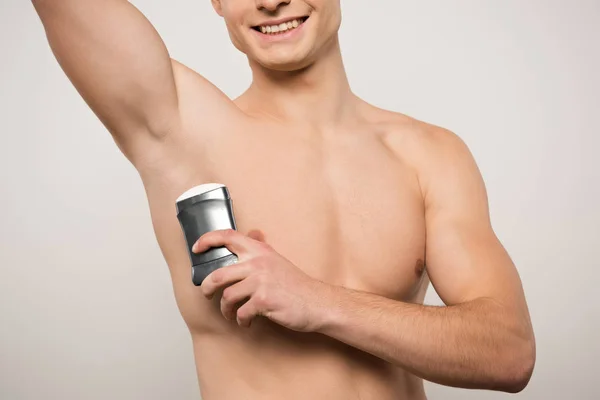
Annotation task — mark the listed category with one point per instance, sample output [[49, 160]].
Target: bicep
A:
[[465, 260], [116, 61]]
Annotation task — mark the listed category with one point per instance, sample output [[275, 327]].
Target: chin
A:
[[285, 65], [284, 61]]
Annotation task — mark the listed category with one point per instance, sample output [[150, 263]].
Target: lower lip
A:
[[280, 36]]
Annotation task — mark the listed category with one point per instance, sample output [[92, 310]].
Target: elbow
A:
[[518, 369], [520, 379]]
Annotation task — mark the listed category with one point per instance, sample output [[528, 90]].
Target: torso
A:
[[343, 206]]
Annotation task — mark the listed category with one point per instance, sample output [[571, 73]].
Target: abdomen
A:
[[266, 362]]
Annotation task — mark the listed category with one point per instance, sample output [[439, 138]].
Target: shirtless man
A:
[[344, 211]]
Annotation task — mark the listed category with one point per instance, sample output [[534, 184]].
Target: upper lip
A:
[[281, 21]]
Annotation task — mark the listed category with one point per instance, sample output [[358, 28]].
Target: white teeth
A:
[[283, 27]]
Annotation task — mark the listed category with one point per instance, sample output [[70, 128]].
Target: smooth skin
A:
[[345, 212]]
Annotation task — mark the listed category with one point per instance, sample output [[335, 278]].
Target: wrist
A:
[[327, 311]]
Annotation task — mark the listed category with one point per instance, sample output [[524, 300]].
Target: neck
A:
[[317, 95]]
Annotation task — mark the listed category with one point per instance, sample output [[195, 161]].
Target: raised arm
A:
[[117, 62]]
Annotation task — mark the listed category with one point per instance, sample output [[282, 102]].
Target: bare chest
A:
[[343, 209]]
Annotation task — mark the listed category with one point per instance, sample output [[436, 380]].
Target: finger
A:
[[236, 294], [223, 277], [235, 241], [247, 312]]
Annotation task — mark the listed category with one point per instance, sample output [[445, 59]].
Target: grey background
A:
[[86, 305]]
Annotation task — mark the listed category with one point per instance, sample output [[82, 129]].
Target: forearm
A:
[[471, 345]]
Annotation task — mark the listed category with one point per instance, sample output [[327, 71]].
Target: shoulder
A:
[[415, 141], [436, 154]]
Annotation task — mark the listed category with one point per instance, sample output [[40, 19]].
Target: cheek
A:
[[235, 25], [329, 14], [321, 6], [334, 20]]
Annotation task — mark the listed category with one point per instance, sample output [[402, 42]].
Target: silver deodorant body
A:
[[202, 209]]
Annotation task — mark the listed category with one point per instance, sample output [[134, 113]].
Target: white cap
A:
[[196, 190]]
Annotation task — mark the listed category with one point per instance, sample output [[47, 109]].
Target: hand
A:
[[263, 280]]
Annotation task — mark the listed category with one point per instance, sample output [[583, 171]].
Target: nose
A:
[[271, 5]]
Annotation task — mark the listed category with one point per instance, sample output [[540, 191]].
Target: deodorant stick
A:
[[202, 209]]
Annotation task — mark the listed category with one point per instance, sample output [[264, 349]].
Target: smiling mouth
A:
[[280, 28]]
